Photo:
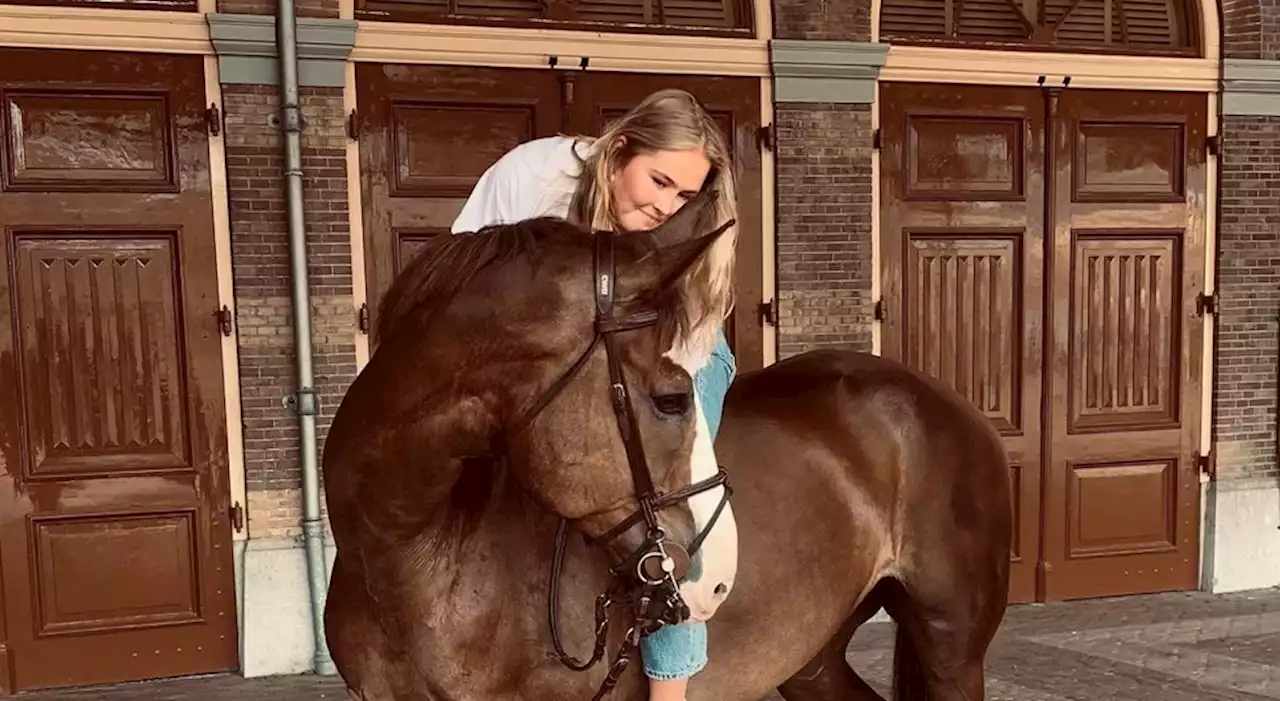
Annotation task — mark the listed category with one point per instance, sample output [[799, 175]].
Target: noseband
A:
[[647, 578]]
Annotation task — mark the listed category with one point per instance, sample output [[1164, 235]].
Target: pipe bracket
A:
[[293, 121], [303, 402]]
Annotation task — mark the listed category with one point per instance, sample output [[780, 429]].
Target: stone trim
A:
[[826, 71], [1251, 87], [246, 49], [504, 47]]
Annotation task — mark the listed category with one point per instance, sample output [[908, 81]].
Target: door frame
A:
[[1093, 71]]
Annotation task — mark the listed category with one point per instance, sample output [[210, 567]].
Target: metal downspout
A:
[[304, 401]]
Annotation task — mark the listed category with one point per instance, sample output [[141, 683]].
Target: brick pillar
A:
[[303, 8], [1241, 545], [823, 92], [276, 626]]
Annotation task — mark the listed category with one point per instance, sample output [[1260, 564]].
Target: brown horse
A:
[[489, 416]]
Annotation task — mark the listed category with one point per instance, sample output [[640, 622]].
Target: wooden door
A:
[[427, 134], [599, 98], [962, 221], [1102, 427], [115, 544], [1122, 504]]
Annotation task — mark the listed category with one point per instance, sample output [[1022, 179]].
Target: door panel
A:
[[427, 134], [963, 239], [1127, 264], [734, 103], [114, 536]]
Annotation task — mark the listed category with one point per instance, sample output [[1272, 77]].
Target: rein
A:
[[647, 578]]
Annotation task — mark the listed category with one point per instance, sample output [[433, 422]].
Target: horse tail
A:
[[908, 672]]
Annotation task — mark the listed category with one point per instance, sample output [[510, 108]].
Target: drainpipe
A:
[[304, 401]]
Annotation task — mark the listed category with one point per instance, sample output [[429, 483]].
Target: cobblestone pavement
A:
[[1169, 647]]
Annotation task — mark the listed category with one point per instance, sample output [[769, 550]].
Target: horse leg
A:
[[939, 648], [828, 676]]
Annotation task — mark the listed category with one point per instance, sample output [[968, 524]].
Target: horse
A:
[[489, 424]]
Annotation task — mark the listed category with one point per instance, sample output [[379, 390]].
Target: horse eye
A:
[[673, 404]]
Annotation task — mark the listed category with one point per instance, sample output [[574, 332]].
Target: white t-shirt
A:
[[534, 179]]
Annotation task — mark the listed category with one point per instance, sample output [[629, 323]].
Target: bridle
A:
[[647, 578]]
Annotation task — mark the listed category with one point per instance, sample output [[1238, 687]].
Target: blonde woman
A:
[[632, 178]]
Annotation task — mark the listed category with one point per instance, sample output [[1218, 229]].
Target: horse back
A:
[[911, 449]]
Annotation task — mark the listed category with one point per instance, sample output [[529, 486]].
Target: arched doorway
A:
[[1042, 250]]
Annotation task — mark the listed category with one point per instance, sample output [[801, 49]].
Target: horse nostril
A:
[[721, 589]]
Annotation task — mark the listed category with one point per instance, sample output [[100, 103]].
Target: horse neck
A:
[[432, 424]]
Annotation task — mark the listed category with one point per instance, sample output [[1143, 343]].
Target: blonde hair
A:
[[670, 120]]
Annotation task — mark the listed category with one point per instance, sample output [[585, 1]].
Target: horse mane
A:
[[446, 263], [449, 261]]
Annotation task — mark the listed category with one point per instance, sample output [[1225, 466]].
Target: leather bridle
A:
[[647, 577]]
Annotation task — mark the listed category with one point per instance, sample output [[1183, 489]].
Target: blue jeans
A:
[[680, 651]]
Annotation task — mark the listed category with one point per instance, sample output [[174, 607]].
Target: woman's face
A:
[[652, 186]]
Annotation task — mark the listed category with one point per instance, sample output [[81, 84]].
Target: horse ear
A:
[[680, 226], [665, 264]]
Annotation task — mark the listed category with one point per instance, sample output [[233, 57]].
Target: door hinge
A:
[[881, 310], [1206, 304], [237, 517], [769, 311], [875, 138], [1213, 144], [362, 318], [353, 125], [1204, 465], [225, 321], [764, 136], [213, 119]]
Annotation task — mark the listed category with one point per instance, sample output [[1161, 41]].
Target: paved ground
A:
[[1181, 647]]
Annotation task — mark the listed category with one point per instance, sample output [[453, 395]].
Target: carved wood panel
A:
[[102, 373], [115, 546], [963, 300]]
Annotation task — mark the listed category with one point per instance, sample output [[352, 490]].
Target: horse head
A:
[[618, 444], [561, 349]]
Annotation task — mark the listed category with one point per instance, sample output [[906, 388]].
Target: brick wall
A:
[[844, 20], [1249, 288], [824, 226], [1248, 279], [260, 262], [303, 8], [1251, 28]]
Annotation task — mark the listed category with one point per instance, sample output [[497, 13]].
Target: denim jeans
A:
[[680, 651]]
